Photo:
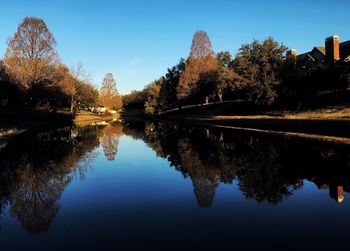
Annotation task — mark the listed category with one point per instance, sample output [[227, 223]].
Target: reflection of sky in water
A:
[[138, 200]]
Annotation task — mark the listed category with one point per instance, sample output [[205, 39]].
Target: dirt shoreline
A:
[[19, 127], [323, 130]]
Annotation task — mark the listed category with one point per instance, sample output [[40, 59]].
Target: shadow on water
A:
[[267, 169]]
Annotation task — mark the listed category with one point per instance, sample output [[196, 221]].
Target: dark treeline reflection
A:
[[267, 169], [35, 178]]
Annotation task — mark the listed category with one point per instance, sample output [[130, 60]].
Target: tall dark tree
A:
[[134, 100], [168, 91], [259, 63], [152, 96], [214, 83], [225, 58], [10, 93]]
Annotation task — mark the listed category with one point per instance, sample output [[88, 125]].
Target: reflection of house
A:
[[336, 191], [332, 52]]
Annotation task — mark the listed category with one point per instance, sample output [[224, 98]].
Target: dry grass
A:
[[332, 113], [320, 114], [322, 138], [6, 134], [84, 117]]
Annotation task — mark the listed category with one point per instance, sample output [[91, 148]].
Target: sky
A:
[[138, 40]]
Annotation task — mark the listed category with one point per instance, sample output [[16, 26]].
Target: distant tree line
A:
[[260, 73], [32, 74]]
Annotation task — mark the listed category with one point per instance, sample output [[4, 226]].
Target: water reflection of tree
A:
[[109, 140], [204, 189], [192, 160], [267, 169], [34, 181], [203, 173], [35, 195], [260, 175]]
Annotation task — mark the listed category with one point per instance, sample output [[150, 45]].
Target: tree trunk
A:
[[221, 139], [220, 97], [72, 105], [207, 132]]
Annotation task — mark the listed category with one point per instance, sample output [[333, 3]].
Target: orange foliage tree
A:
[[30, 56], [201, 61], [109, 96], [195, 68]]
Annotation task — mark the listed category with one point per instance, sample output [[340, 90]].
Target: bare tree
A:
[[109, 85], [201, 45], [73, 82], [109, 95], [30, 54]]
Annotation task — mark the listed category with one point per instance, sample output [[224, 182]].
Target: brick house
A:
[[332, 52]]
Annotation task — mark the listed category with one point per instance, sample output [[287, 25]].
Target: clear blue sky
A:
[[138, 40]]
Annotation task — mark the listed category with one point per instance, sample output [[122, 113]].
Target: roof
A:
[[321, 49], [316, 54], [302, 56]]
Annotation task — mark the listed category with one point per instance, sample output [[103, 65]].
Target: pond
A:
[[147, 185]]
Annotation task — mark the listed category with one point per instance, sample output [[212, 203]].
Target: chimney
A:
[[336, 192], [332, 49], [292, 56]]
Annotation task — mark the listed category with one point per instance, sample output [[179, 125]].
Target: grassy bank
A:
[[325, 122], [247, 110], [15, 121], [86, 117], [332, 113], [19, 125]]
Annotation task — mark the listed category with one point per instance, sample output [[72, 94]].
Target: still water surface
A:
[[153, 185]]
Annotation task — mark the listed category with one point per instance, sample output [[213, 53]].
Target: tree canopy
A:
[[201, 45], [108, 95], [30, 56], [32, 74], [259, 64]]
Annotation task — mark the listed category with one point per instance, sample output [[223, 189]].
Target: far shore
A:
[[87, 118], [23, 123], [328, 124], [254, 129]]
